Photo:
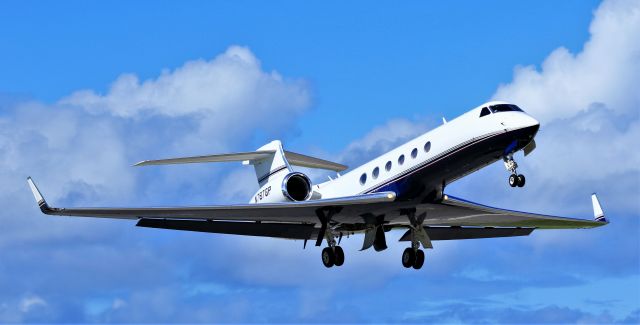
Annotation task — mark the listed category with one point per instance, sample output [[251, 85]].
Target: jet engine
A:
[[294, 186]]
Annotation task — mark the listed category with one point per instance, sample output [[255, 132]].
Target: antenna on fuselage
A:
[[444, 120]]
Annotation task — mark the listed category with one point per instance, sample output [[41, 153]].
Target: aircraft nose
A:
[[534, 122], [532, 125]]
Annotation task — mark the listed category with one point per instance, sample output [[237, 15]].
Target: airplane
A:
[[401, 189]]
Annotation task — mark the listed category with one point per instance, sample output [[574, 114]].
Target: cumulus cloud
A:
[[80, 150], [605, 71], [589, 107]]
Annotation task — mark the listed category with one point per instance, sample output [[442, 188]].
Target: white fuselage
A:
[[467, 131]]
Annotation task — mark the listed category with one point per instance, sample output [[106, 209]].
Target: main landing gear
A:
[[515, 179], [413, 257], [333, 254]]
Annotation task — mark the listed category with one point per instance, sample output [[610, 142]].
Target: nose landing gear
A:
[[515, 179]]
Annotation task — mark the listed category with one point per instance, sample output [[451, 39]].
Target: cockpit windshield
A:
[[499, 108], [504, 108]]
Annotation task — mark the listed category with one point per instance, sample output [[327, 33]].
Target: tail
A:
[[272, 164], [267, 161]]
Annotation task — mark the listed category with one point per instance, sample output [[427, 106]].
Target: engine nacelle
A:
[[294, 186]]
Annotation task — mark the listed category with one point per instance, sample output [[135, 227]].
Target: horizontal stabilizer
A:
[[297, 159], [240, 156], [293, 158]]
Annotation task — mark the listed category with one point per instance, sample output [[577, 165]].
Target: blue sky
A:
[[87, 89]]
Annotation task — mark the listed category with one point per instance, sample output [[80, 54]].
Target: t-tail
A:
[[272, 164]]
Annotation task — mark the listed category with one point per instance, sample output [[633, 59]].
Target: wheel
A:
[[339, 253], [513, 180], [417, 264], [328, 257], [408, 257], [521, 180]]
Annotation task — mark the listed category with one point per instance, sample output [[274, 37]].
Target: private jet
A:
[[402, 189]]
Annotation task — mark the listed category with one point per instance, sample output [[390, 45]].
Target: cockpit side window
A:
[[484, 111], [504, 108]]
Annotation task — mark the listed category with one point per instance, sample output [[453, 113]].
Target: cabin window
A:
[[387, 167], [427, 146], [401, 160], [375, 173], [363, 179], [484, 111], [414, 153]]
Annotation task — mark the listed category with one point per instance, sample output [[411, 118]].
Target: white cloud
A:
[[231, 84], [29, 303], [589, 107], [80, 150], [606, 71]]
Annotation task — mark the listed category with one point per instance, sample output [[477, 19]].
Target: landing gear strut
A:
[[413, 256], [514, 179], [333, 254]]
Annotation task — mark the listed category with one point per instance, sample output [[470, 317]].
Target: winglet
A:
[[598, 214], [38, 196]]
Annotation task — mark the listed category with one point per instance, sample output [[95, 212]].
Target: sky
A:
[[89, 88]]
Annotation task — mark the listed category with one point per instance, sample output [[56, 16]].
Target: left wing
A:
[[454, 211]]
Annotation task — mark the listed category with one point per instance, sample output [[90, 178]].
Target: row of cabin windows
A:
[[376, 171]]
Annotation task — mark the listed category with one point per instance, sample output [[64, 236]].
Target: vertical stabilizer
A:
[[273, 164]]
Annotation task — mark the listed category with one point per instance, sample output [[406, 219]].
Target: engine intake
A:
[[296, 186]]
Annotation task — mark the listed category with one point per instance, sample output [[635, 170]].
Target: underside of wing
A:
[[454, 211], [456, 232], [262, 229]]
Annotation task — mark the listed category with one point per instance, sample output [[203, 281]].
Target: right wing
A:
[[301, 211]]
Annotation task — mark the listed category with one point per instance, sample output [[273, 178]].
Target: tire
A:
[[521, 180], [417, 264], [513, 180], [339, 254], [408, 257], [328, 257]]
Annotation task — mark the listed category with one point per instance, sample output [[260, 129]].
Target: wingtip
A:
[[598, 213], [36, 192]]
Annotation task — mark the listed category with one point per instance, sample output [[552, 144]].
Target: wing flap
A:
[[275, 230], [450, 233]]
